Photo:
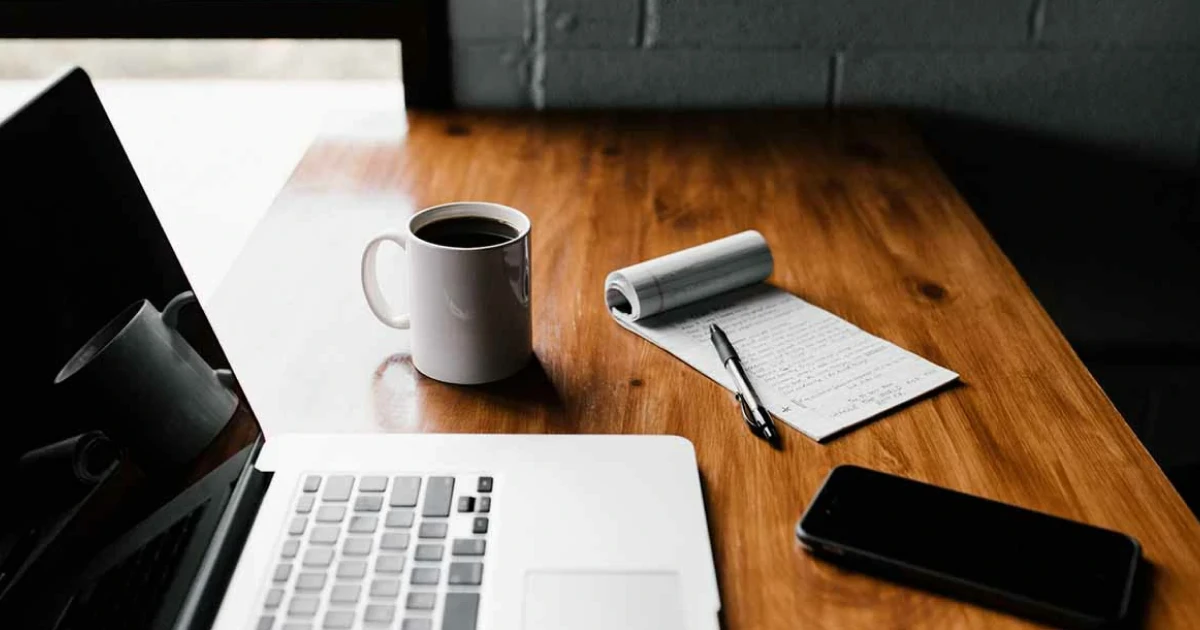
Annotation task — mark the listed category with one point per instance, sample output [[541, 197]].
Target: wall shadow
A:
[[1109, 242]]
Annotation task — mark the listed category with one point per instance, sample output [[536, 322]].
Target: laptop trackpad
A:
[[579, 600]]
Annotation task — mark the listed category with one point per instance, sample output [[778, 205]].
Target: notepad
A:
[[812, 369]]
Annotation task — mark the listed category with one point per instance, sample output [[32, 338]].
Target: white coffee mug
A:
[[469, 307]]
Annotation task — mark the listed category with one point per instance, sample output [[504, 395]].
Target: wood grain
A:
[[862, 223]]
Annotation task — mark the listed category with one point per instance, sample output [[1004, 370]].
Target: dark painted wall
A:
[[1116, 73]]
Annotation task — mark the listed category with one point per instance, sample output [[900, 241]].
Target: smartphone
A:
[[1002, 556]]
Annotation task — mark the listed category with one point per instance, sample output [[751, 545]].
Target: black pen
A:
[[756, 416]]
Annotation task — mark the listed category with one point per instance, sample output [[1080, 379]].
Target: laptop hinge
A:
[[216, 568]]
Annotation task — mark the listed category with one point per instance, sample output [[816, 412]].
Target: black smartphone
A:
[[1002, 556]]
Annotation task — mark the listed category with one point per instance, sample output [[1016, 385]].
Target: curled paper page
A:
[[687, 276]]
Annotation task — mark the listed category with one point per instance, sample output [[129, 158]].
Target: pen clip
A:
[[747, 414]]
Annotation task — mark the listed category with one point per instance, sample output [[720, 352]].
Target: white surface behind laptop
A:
[[212, 154]]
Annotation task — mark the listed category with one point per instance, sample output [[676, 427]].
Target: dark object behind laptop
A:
[[1002, 556], [64, 471]]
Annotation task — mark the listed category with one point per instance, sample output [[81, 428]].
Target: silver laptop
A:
[[407, 532]]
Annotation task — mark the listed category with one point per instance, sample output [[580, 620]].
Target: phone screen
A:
[[1047, 559]]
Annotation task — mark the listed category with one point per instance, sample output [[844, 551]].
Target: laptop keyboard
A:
[[371, 551], [129, 594]]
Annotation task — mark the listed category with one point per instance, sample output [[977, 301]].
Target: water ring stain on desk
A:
[[394, 393]]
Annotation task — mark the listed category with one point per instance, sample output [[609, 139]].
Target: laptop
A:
[[119, 514]]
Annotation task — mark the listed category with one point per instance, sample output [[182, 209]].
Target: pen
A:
[[756, 416]]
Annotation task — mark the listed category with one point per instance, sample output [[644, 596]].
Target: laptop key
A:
[[385, 588], [324, 535], [282, 572], [433, 529], [438, 495], [331, 513], [303, 606], [310, 582], [345, 593], [425, 575], [312, 483], [429, 553], [468, 547], [420, 601], [357, 546], [265, 622], [298, 525], [318, 557], [485, 484], [363, 524], [417, 623], [372, 483], [389, 564], [304, 504], [404, 491], [465, 573], [339, 619], [479, 525], [380, 613], [274, 597], [485, 504], [290, 548], [368, 503], [466, 504], [338, 487], [394, 541], [351, 569], [461, 611], [399, 518]]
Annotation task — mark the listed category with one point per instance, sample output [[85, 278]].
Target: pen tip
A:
[[772, 437]]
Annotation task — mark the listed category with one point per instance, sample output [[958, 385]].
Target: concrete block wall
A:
[[1116, 73]]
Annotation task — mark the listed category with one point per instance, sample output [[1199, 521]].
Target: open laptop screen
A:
[[118, 393]]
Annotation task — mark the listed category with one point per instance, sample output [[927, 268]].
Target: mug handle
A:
[[170, 312], [370, 283], [170, 317]]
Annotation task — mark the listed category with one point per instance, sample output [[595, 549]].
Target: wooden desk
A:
[[862, 222]]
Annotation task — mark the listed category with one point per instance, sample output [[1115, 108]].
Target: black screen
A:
[[81, 244], [1051, 560]]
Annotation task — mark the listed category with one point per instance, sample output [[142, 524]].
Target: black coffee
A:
[[467, 232]]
